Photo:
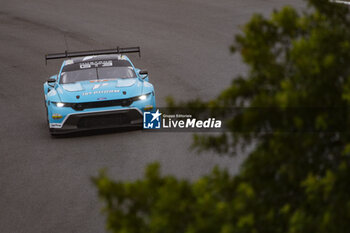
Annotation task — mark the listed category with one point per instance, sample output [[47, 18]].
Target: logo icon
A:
[[151, 120]]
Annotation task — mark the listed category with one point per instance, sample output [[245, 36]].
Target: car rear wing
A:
[[67, 54]]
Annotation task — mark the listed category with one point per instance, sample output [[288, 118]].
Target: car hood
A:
[[97, 90]]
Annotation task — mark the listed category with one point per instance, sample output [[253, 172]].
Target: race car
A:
[[97, 89]]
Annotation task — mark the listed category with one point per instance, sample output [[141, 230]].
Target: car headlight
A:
[[60, 105], [142, 97]]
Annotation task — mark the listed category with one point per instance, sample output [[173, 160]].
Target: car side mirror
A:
[[51, 82], [144, 74]]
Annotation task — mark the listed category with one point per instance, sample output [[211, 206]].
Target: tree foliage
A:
[[292, 181]]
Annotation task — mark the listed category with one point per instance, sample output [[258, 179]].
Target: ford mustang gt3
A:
[[97, 89]]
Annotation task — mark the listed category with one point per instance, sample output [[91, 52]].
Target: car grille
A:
[[103, 121]]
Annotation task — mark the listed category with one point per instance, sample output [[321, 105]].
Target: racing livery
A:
[[97, 89]]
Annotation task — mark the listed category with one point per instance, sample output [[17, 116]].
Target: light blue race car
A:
[[97, 89]]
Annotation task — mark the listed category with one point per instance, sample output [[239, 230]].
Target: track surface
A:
[[44, 182]]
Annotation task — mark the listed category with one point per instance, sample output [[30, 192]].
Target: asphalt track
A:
[[44, 181]]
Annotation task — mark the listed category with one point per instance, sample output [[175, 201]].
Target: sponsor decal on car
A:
[[87, 65], [100, 92]]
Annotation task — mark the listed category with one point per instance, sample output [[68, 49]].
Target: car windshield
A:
[[97, 70]]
